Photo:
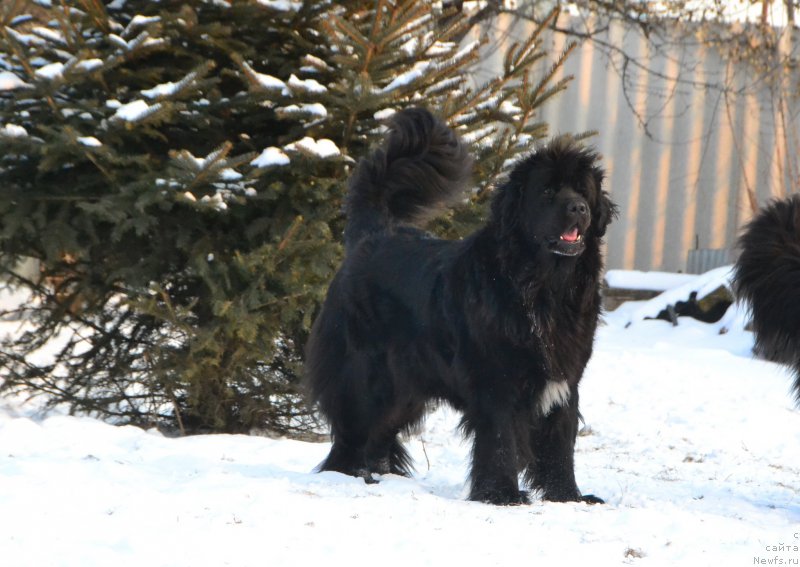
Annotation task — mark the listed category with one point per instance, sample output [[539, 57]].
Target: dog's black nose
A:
[[577, 207]]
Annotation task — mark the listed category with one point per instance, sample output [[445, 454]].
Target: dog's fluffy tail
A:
[[421, 168], [767, 276]]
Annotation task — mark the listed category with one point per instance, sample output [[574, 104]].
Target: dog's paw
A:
[[571, 495], [366, 475], [506, 498], [591, 499]]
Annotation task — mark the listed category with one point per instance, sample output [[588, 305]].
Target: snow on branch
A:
[[89, 64], [419, 70], [50, 71], [170, 89], [266, 82], [135, 111], [141, 40], [307, 85], [90, 141], [323, 148], [9, 81], [315, 110], [271, 157], [281, 5], [139, 21], [52, 36], [13, 131]]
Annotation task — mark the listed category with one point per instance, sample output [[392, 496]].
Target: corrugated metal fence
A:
[[684, 136]]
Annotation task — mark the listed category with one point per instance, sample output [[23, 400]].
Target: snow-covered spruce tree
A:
[[176, 171]]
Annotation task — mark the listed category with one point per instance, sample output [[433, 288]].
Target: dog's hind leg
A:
[[348, 456], [364, 422], [387, 455], [350, 414], [385, 452], [357, 456]]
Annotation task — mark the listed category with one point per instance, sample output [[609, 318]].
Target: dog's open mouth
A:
[[570, 243], [572, 235]]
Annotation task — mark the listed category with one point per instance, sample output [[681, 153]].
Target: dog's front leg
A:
[[494, 459], [553, 445]]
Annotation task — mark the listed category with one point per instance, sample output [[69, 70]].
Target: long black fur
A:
[[488, 324], [767, 277]]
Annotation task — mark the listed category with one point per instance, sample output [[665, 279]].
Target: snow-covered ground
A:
[[693, 444]]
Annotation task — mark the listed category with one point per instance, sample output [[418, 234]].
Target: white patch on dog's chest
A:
[[554, 395]]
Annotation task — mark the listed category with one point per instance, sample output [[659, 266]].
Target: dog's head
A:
[[554, 199]]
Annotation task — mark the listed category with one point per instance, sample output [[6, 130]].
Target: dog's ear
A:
[[505, 207], [606, 211]]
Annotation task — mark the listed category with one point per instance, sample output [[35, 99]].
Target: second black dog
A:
[[767, 277]]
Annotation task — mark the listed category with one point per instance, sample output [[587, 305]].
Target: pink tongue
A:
[[570, 236]]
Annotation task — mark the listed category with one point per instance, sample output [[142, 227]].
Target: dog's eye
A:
[[548, 193]]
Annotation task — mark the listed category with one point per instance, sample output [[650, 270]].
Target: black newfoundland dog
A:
[[500, 325], [767, 277]]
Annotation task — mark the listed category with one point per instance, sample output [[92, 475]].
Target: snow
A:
[[306, 85], [201, 163], [271, 156], [114, 38], [315, 110], [164, 89], [281, 5], [142, 39], [691, 442], [322, 148], [441, 48], [50, 71], [313, 64], [151, 41], [411, 46], [89, 64], [140, 21], [9, 81], [25, 38], [466, 50], [135, 110], [270, 82], [651, 281], [13, 131], [703, 285], [90, 141], [482, 135], [215, 201], [510, 108], [170, 89], [229, 174], [384, 114], [472, 7], [51, 35], [419, 69], [488, 104]]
